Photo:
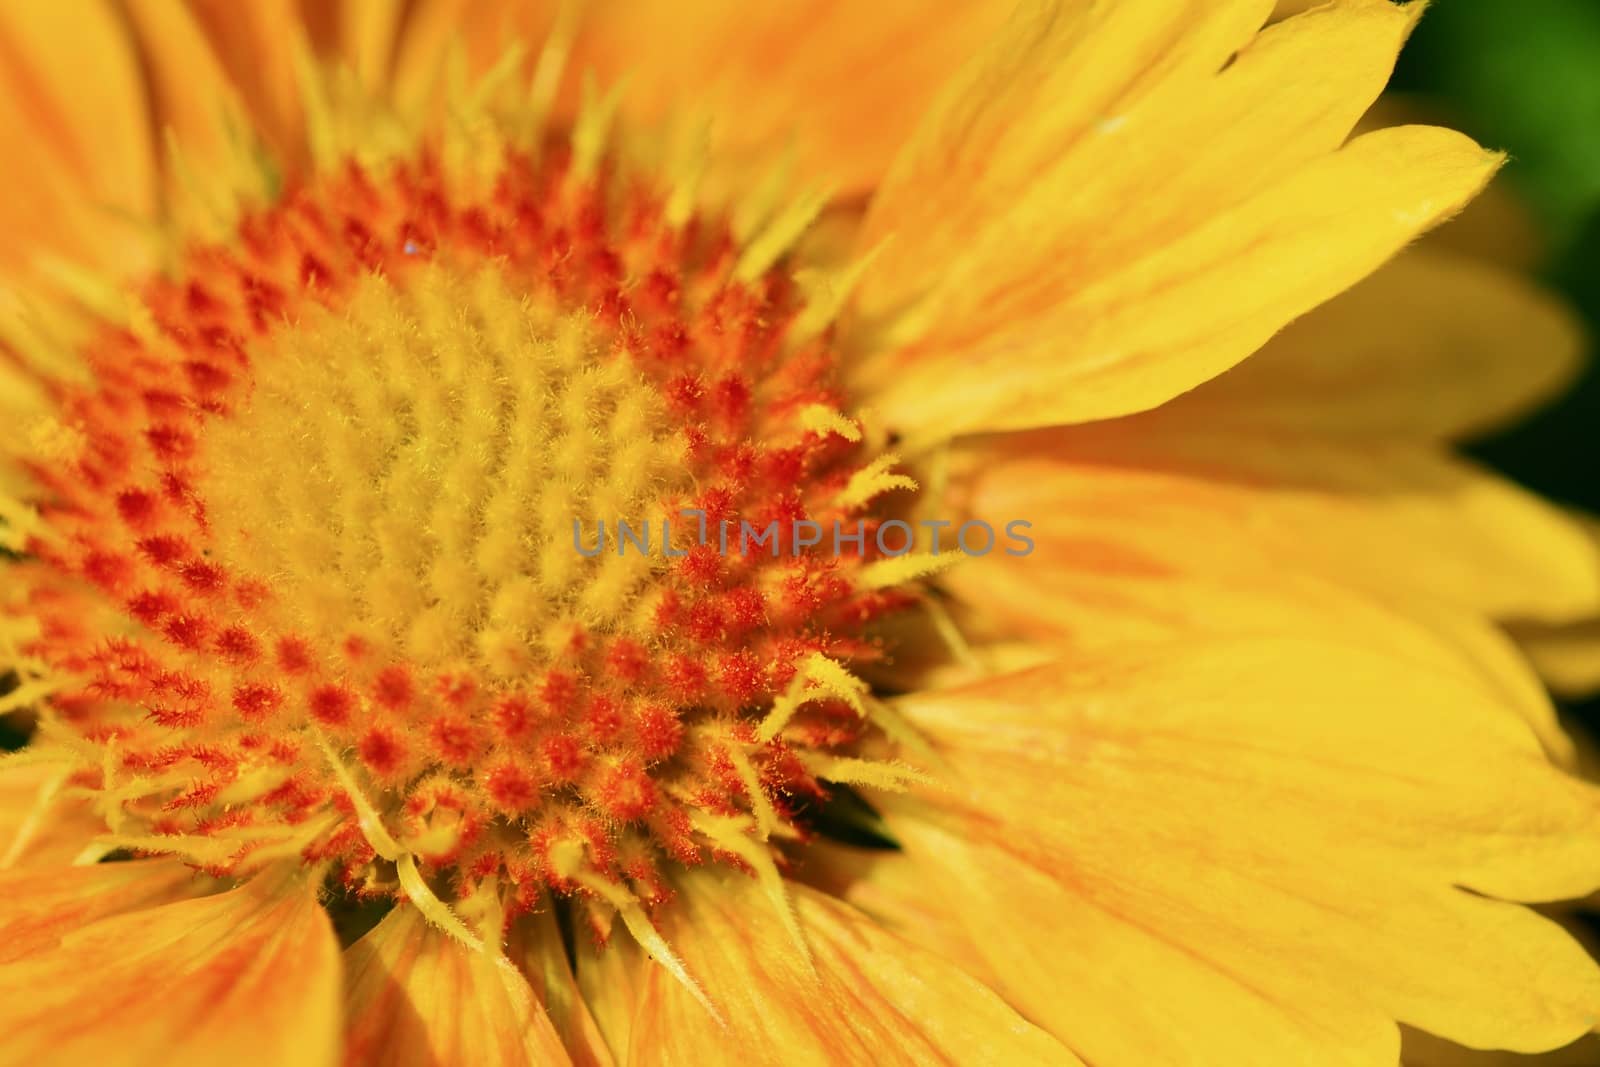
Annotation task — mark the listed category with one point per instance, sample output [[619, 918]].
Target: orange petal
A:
[[612, 978], [1432, 345], [431, 29], [245, 977], [366, 32], [864, 993], [1160, 498], [1113, 221], [255, 44], [844, 83], [544, 961], [43, 905], [415, 995], [192, 95], [1249, 852]]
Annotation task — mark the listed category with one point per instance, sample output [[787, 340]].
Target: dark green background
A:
[[1524, 76]]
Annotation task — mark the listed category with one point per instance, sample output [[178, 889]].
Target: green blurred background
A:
[[1524, 76]]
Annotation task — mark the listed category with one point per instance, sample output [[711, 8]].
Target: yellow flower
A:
[[319, 409]]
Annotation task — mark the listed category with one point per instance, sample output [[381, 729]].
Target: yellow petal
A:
[[1568, 657], [1156, 497], [415, 995], [1425, 1050], [73, 107], [1052, 610], [1432, 345], [1099, 256], [1498, 227], [242, 978], [1265, 840], [38, 825], [870, 995], [892, 888]]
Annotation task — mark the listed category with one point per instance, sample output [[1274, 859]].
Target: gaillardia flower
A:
[[351, 734]]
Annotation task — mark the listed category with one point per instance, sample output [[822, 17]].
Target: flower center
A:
[[334, 559]]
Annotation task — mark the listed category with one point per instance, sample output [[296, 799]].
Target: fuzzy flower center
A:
[[333, 560]]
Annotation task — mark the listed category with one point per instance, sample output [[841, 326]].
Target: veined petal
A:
[[891, 887], [612, 979], [415, 995], [1195, 823], [43, 905], [865, 994], [1053, 302], [1433, 345], [1085, 610], [245, 977], [1157, 496]]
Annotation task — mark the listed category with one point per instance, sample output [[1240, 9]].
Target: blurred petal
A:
[[192, 95], [1139, 504], [255, 44], [482, 34], [1186, 854], [1052, 301], [72, 105], [842, 83], [1430, 346], [416, 996], [1425, 1050], [242, 978], [864, 994], [367, 31], [1568, 657]]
